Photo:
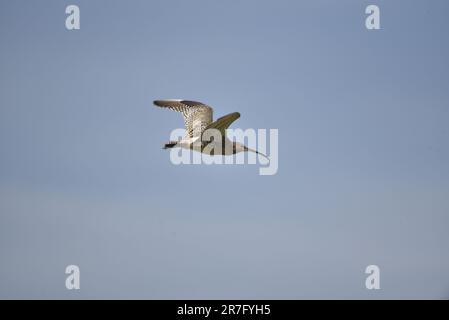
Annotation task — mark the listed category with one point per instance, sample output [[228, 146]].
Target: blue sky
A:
[[363, 150]]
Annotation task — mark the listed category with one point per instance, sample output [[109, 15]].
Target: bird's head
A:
[[239, 147]]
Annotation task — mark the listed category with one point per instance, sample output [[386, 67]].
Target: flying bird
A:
[[197, 119]]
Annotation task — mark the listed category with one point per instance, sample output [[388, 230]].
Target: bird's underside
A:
[[197, 119]]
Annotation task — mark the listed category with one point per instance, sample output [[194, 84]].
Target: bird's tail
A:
[[170, 144]]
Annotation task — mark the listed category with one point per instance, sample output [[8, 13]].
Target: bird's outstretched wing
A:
[[224, 122], [197, 115]]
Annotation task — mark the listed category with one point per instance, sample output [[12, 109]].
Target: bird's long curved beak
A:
[[255, 151]]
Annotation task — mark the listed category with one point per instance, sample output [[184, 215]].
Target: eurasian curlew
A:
[[198, 119]]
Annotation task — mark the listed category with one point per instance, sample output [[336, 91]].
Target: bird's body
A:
[[198, 117]]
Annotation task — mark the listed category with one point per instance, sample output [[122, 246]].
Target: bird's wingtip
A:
[[165, 102]]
